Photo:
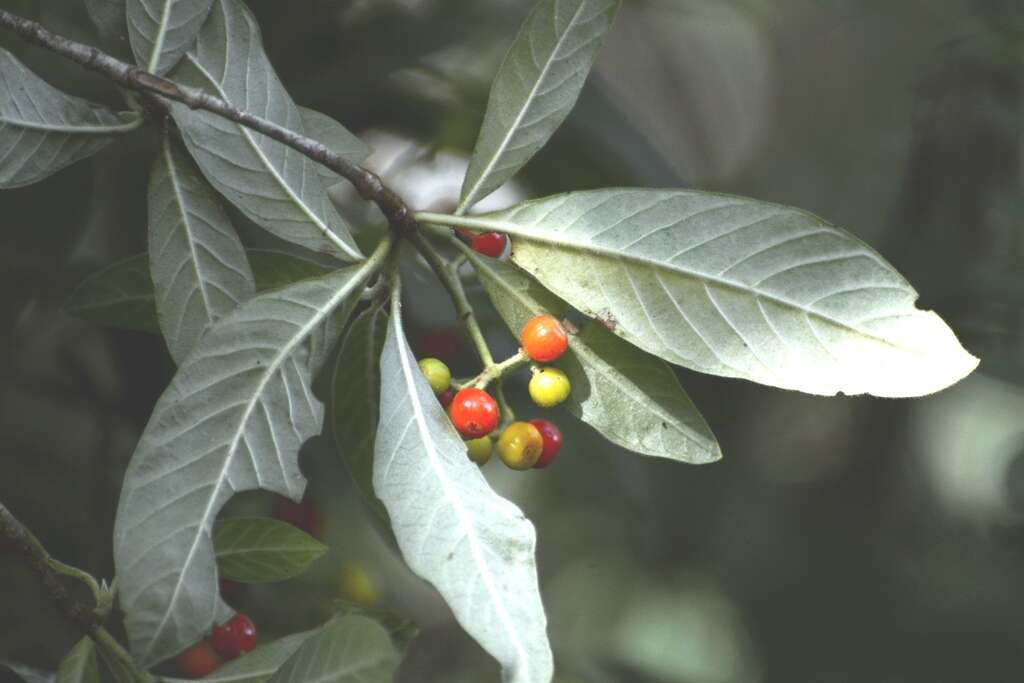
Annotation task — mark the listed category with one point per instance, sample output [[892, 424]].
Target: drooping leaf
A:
[[196, 260], [80, 666], [349, 649], [454, 531], [262, 550], [535, 89], [121, 295], [232, 419], [274, 185], [29, 674], [161, 31], [338, 139], [109, 17], [630, 397], [735, 287], [256, 666], [43, 130], [353, 400]]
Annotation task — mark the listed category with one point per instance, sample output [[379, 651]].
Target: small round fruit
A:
[[480, 449], [520, 445], [305, 515], [544, 339], [474, 413], [446, 398], [552, 436], [199, 661], [355, 585], [437, 374], [234, 637], [549, 387], [490, 244]]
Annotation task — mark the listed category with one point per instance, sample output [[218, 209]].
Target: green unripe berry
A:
[[549, 387], [520, 446], [437, 374], [480, 449]]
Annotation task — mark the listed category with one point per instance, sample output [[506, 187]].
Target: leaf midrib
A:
[[111, 129]]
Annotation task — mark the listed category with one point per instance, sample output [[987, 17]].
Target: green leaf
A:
[[80, 664], [29, 674], [260, 550], [273, 185], [354, 399], [454, 531], [161, 31], [349, 649], [535, 89], [108, 16], [337, 138], [43, 130], [734, 287], [121, 295], [196, 260], [256, 666], [630, 397], [233, 419]]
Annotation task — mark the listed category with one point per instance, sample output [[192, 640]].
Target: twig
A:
[[368, 184]]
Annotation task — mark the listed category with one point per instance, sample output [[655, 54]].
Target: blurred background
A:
[[845, 539]]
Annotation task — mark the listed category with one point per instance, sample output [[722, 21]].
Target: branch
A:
[[368, 184]]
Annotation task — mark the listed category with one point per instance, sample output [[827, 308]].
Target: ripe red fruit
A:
[[489, 244], [552, 436], [305, 515], [444, 343], [199, 661], [544, 339], [234, 637], [474, 413], [446, 398]]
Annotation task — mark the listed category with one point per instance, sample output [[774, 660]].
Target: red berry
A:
[[305, 515], [490, 244], [552, 441], [443, 343], [234, 637], [199, 661], [474, 413], [446, 398], [544, 339]]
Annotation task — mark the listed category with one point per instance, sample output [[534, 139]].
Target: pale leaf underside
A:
[[349, 649], [256, 666], [161, 31]]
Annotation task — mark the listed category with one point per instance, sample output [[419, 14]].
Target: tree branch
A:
[[368, 184]]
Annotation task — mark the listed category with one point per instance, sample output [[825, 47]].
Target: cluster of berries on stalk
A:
[[475, 413], [231, 639]]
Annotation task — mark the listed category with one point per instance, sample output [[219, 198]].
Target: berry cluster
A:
[[231, 639], [475, 413]]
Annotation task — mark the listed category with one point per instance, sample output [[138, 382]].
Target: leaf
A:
[[354, 399], [43, 130], [233, 419], [108, 16], [80, 664], [630, 397], [349, 649], [273, 185], [161, 31], [29, 674], [121, 295], [734, 287], [260, 550], [535, 89], [197, 262], [337, 138], [256, 666], [474, 546]]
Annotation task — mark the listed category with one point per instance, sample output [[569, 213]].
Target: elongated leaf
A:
[[29, 674], [354, 399], [233, 419], [80, 664], [121, 295], [196, 260], [349, 649], [272, 184], [735, 287], [256, 666], [535, 89], [338, 139], [630, 397], [474, 546], [43, 130], [261, 550], [161, 31]]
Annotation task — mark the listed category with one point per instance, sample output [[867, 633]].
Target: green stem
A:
[[451, 282], [497, 371]]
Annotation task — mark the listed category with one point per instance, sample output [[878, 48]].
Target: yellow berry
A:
[[480, 449], [549, 387], [520, 445], [437, 374], [355, 585]]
